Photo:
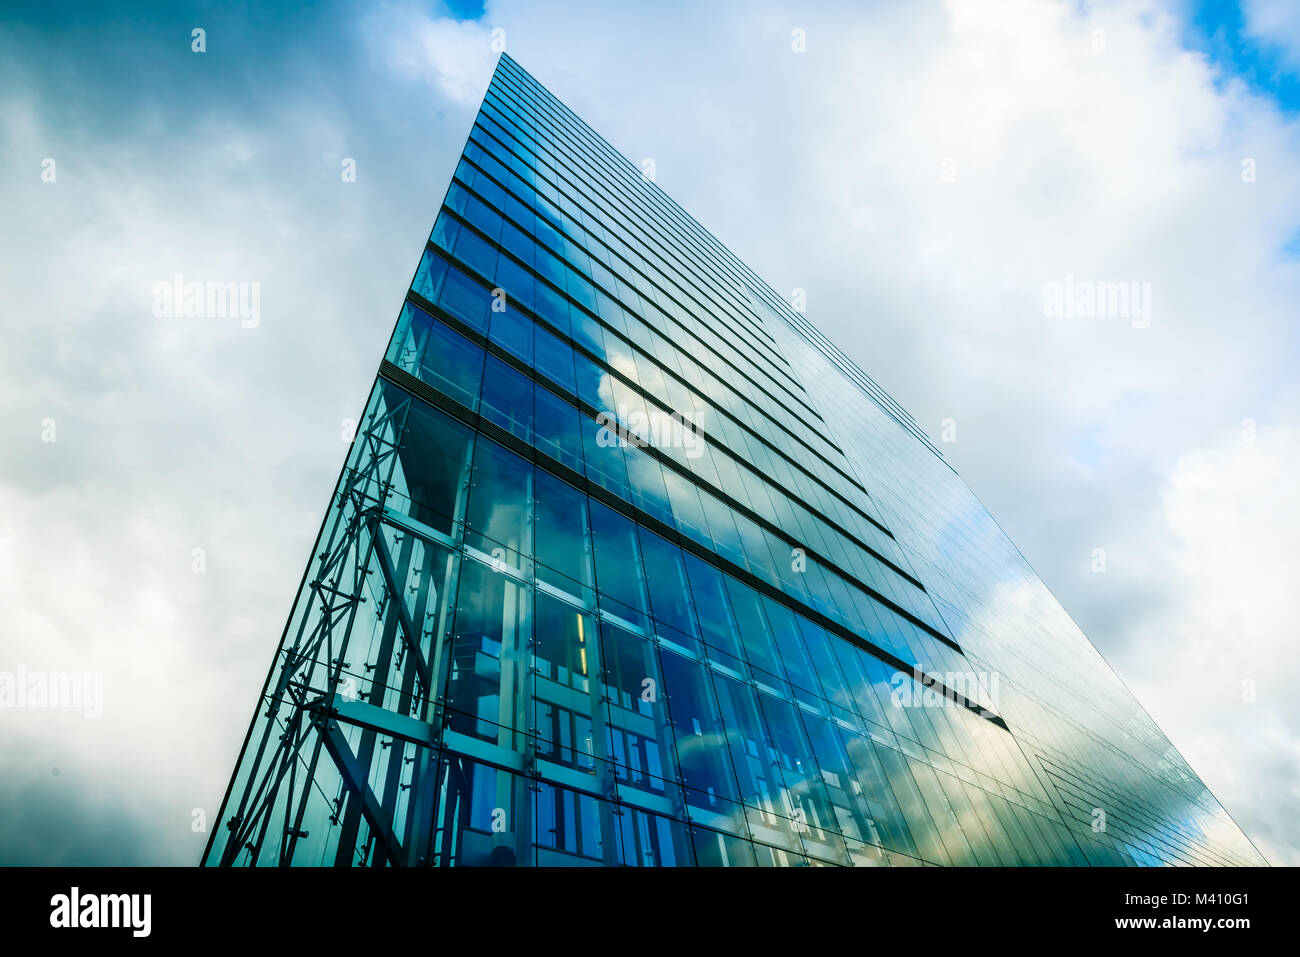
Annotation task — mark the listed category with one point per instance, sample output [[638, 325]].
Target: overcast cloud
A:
[[922, 170]]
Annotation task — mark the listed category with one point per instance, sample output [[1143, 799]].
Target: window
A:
[[434, 456], [566, 655], [552, 307], [563, 544], [790, 647], [594, 385], [756, 770], [747, 605], [513, 331], [516, 281], [804, 797], [428, 278], [697, 728], [465, 299], [488, 655], [640, 738], [604, 454], [451, 363], [519, 243], [618, 561], [713, 609], [508, 398], [497, 520], [646, 476], [483, 218], [558, 428], [670, 596], [587, 332], [555, 360], [688, 514], [477, 253]]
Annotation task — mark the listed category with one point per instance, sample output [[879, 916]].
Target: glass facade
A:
[[629, 566]]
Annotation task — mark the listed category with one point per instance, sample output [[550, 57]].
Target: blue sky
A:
[[1221, 31], [1110, 156]]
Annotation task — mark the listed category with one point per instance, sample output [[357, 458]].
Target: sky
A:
[[924, 171]]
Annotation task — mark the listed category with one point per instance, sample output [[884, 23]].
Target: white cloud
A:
[[1275, 23], [1108, 156], [821, 169], [172, 434], [455, 57], [1219, 666]]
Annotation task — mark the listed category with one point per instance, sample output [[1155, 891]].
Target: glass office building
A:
[[628, 565]]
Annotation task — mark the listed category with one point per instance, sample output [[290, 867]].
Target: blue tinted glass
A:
[[563, 545], [490, 191], [489, 646], [520, 213], [747, 605], [645, 474], [435, 447], [790, 646], [515, 280], [666, 582], [483, 218], [726, 540], [445, 232], [618, 558], [806, 797], [697, 726], [891, 828], [716, 849], [453, 364], [580, 289], [688, 513], [558, 428], [517, 242], [456, 197], [759, 776], [497, 518], [549, 267], [513, 332], [587, 332], [713, 608], [603, 454], [555, 360], [476, 252], [552, 307], [594, 385], [465, 299], [571, 828], [826, 667], [651, 840], [564, 710], [508, 398], [428, 278], [639, 735]]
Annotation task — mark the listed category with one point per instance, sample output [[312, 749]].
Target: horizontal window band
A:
[[472, 274], [591, 412], [767, 340], [850, 479], [426, 393], [800, 399]]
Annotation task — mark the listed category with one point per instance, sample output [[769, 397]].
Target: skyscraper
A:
[[628, 565]]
